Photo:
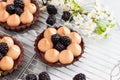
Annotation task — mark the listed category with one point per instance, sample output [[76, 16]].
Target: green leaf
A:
[[101, 26], [111, 25], [66, 1], [77, 7], [99, 31], [105, 36]]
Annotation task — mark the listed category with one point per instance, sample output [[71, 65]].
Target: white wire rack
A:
[[99, 62]]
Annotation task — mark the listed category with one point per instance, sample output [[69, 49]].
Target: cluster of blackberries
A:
[[51, 20], [41, 76], [67, 16], [45, 76], [79, 76], [51, 9], [17, 7], [60, 42], [3, 49]]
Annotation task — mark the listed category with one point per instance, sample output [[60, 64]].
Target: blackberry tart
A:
[[18, 15], [11, 54], [59, 46]]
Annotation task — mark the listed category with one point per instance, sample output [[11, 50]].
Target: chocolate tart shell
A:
[[40, 54], [23, 26], [18, 61]]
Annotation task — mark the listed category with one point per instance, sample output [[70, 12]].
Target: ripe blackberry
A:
[[44, 76], [51, 9], [55, 38], [1, 56], [67, 16], [18, 11], [79, 76], [10, 8], [51, 20], [19, 3], [3, 48], [65, 40], [31, 77], [59, 46]]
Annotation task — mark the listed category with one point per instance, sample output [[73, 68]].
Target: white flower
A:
[[65, 7], [78, 19], [91, 27], [57, 2], [92, 14]]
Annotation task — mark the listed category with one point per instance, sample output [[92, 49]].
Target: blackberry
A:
[[67, 16], [65, 40], [79, 76], [1, 56], [31, 77], [19, 3], [3, 48], [59, 46], [55, 38], [51, 20], [18, 11], [44, 76], [51, 9], [10, 8]]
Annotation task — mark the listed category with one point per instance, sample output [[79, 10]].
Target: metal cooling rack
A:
[[99, 62]]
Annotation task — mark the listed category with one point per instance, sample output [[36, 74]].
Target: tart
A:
[[11, 54], [59, 46], [18, 15]]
